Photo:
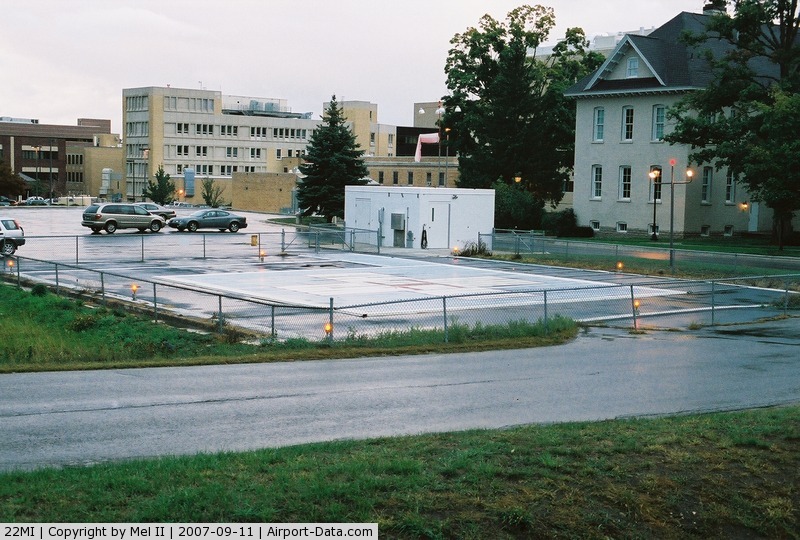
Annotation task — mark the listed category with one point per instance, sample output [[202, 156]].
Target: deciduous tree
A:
[[507, 109], [748, 117]]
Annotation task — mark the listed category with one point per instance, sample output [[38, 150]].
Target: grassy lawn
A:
[[40, 331], [725, 475]]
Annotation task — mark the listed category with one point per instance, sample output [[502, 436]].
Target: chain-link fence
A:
[[637, 303], [535, 245]]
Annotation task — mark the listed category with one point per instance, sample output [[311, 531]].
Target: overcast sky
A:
[[61, 60]]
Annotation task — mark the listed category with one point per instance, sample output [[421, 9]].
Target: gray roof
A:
[[677, 67]]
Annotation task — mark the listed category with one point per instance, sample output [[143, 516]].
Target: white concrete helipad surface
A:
[[355, 279]]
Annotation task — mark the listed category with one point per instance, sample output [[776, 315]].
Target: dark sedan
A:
[[211, 218]]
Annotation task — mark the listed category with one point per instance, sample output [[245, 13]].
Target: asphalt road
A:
[[76, 418]]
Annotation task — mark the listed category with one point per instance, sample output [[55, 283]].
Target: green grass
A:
[[752, 245], [724, 475], [40, 331]]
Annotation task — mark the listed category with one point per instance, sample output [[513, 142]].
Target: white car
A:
[[11, 235]]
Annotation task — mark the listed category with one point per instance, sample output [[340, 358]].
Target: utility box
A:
[[421, 217]]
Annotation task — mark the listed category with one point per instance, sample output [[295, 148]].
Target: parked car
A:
[[11, 235], [6, 201], [210, 218], [113, 216], [35, 201], [157, 209]]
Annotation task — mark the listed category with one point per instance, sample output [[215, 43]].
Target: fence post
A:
[[272, 321], [76, 250], [444, 310], [634, 310], [712, 303], [58, 287], [155, 304], [786, 297], [316, 242], [204, 245], [103, 288], [545, 312], [283, 240], [516, 245], [330, 321], [219, 313]]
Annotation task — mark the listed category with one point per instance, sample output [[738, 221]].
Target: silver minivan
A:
[[113, 216]]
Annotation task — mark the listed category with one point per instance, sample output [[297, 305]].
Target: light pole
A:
[[37, 148], [689, 173], [655, 176], [51, 170], [439, 113]]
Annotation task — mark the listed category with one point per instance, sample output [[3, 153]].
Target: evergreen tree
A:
[[11, 185], [747, 118], [508, 114], [334, 161], [162, 191]]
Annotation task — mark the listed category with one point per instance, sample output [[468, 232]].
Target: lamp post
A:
[[51, 170], [439, 113], [37, 148], [689, 173], [655, 176]]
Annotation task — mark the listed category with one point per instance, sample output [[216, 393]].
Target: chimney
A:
[[715, 7]]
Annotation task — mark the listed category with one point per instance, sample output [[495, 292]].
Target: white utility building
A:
[[421, 217]]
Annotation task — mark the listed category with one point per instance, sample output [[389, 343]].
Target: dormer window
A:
[[633, 67]]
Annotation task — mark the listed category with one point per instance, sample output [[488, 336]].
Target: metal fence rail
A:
[[647, 302]]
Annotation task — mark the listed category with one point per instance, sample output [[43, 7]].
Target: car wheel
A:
[[111, 227], [192, 226], [96, 230], [234, 226], [8, 248], [181, 229], [155, 226]]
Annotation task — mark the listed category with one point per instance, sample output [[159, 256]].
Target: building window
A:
[[201, 151], [391, 140], [625, 183], [395, 177], [599, 124], [728, 230], [659, 121], [730, 188], [278, 153], [428, 179], [705, 192], [182, 128], [231, 152], [633, 67], [622, 227], [204, 129], [410, 178], [372, 139], [705, 230], [650, 230], [569, 185], [183, 149], [595, 225], [380, 177], [656, 176], [441, 178], [597, 181], [627, 123], [255, 153]]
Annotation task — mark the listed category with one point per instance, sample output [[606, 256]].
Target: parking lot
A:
[[271, 279]]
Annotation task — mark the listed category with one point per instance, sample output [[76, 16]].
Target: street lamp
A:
[[37, 148], [689, 174], [655, 178]]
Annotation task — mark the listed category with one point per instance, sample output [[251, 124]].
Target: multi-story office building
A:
[[202, 134], [42, 154]]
